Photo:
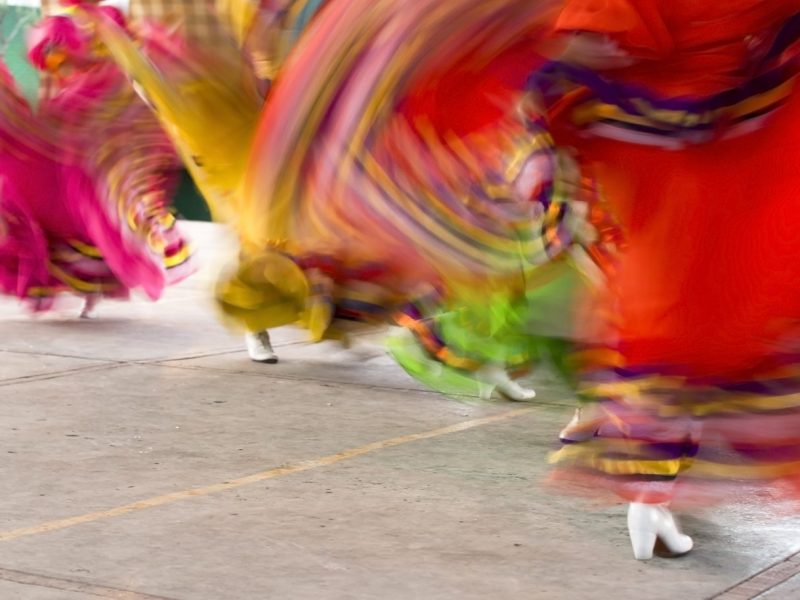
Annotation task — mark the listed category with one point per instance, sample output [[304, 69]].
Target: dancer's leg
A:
[[89, 305]]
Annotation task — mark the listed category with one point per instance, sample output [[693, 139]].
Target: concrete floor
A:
[[144, 456]]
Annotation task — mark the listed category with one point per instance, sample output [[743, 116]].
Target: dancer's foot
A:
[[650, 522], [89, 305], [259, 347], [495, 377], [583, 425]]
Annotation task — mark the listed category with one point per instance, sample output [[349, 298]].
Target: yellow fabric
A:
[[238, 15], [208, 109]]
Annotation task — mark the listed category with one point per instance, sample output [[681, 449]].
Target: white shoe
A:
[[259, 347], [495, 377], [583, 426], [649, 522], [89, 305]]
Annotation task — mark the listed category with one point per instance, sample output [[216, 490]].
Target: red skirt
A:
[[709, 284], [701, 376]]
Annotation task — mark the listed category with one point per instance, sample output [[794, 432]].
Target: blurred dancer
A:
[[85, 181], [211, 103], [681, 116], [353, 255], [266, 30], [688, 116]]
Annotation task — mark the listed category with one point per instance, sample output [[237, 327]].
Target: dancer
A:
[[85, 181], [335, 212], [688, 116], [674, 120], [267, 31], [682, 115], [208, 101], [316, 283]]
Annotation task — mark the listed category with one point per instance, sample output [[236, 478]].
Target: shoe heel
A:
[[643, 543]]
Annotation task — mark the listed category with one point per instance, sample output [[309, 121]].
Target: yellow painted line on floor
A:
[[258, 477]]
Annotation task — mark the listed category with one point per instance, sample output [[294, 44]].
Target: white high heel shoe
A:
[[495, 377], [259, 347], [649, 522]]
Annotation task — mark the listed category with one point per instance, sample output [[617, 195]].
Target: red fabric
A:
[[684, 47], [469, 97], [710, 280]]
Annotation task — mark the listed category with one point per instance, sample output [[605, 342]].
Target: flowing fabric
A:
[[696, 148], [420, 145], [394, 171], [206, 102], [85, 185], [362, 191], [402, 122]]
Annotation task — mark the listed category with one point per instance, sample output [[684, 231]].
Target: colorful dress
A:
[[208, 101], [696, 147], [370, 185], [86, 181], [362, 158]]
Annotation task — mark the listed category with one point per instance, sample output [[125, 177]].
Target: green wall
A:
[[15, 58]]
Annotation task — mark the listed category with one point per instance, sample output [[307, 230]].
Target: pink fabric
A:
[[91, 169], [55, 32]]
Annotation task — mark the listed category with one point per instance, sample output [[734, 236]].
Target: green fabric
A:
[[521, 332]]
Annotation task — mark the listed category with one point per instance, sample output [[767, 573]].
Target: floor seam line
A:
[[762, 582], [55, 355], [73, 585], [59, 374]]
